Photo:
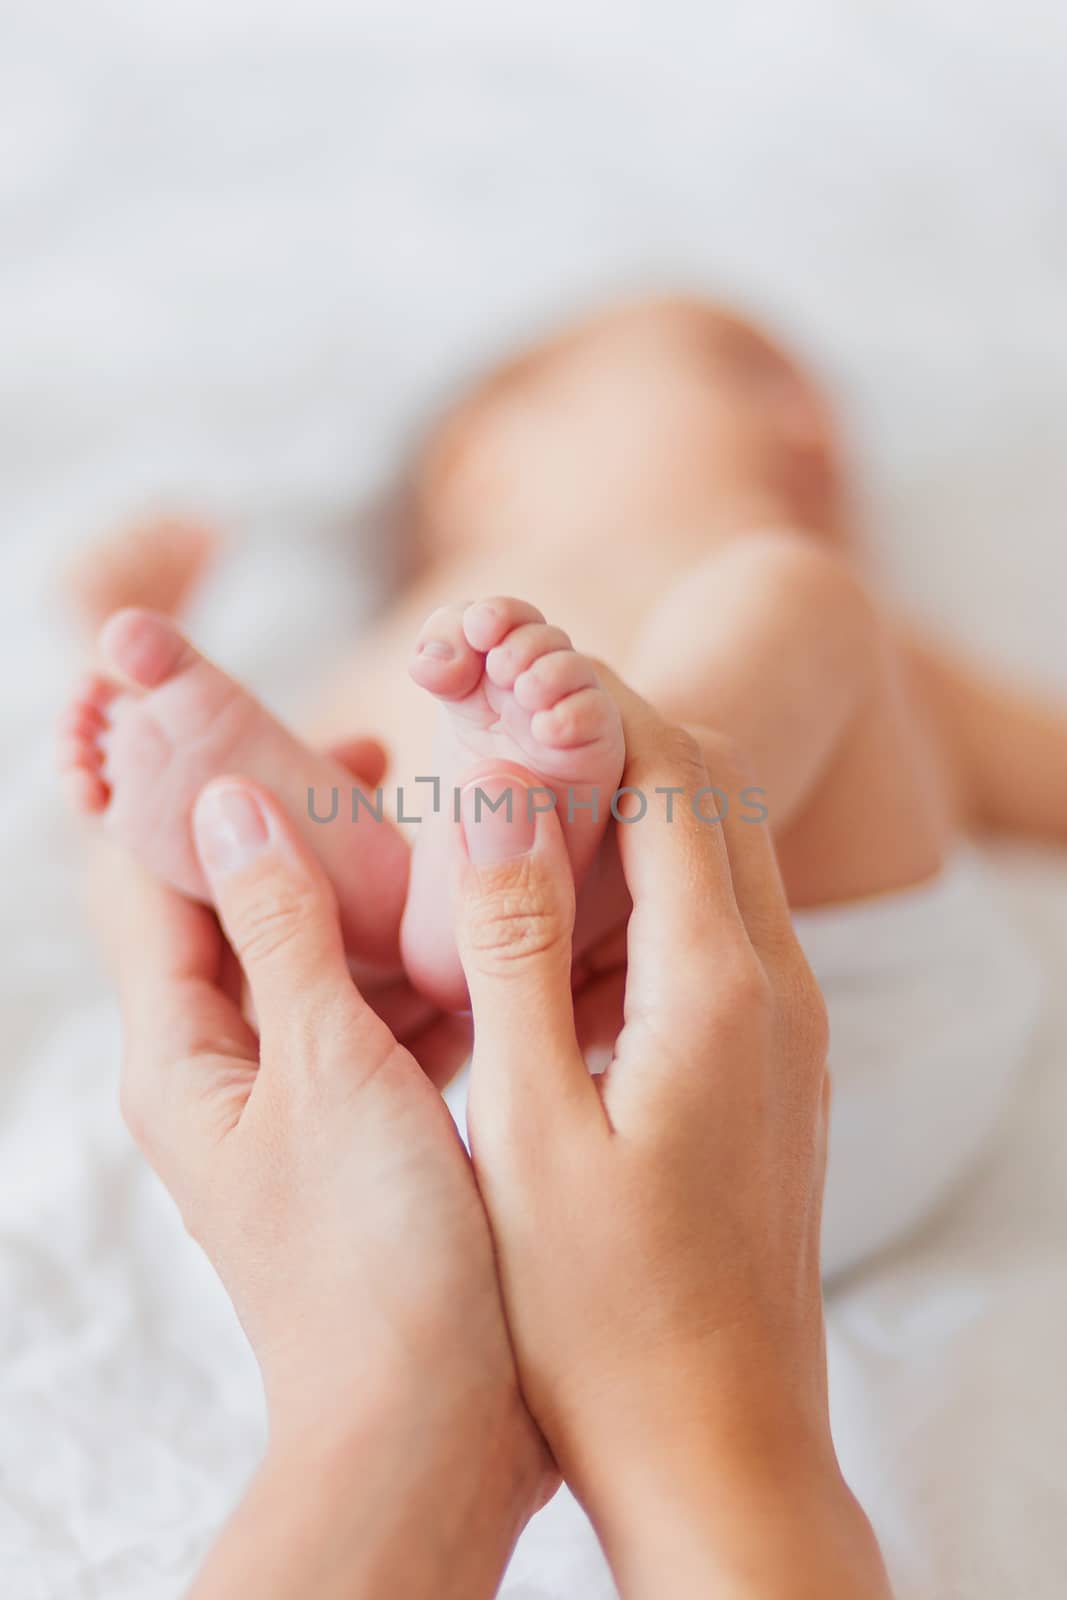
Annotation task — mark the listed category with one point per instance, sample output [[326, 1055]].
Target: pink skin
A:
[[141, 739], [513, 692], [80, 751], [139, 742], [154, 564]]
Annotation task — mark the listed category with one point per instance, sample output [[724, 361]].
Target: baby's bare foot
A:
[[139, 743], [513, 691], [154, 564]]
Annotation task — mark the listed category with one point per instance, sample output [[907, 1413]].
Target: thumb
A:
[[276, 907], [514, 922]]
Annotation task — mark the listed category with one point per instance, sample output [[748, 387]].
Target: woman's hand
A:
[[658, 1228], [321, 1173]]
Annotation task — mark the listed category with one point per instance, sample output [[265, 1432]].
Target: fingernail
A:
[[501, 834], [231, 829]]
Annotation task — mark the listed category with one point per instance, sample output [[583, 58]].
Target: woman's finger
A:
[[150, 933], [514, 926], [757, 881], [186, 1042], [280, 915], [673, 853], [170, 961]]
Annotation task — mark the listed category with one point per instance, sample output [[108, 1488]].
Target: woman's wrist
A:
[[729, 1512], [757, 1536], [410, 1502]]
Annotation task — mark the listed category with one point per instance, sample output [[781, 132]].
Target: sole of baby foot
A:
[[513, 693], [141, 738]]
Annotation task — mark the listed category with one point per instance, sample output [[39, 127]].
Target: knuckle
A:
[[272, 914], [514, 932], [746, 988], [675, 760], [729, 997], [518, 921]]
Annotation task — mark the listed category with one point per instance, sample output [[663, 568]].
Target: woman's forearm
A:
[[381, 1517]]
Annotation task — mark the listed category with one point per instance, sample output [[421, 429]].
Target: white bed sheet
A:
[[242, 254]]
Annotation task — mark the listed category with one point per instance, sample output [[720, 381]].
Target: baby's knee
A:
[[775, 585], [817, 590]]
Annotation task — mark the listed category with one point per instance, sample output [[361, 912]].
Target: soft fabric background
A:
[[243, 255]]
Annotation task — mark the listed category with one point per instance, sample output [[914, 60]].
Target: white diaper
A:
[[933, 1001]]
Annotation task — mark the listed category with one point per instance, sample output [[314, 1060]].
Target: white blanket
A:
[[242, 254]]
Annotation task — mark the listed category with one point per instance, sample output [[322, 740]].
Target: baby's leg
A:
[[774, 642], [141, 739], [1006, 745], [154, 564]]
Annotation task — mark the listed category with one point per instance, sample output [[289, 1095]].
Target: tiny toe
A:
[[79, 752], [443, 662], [577, 719], [85, 792], [487, 621], [518, 651], [80, 720], [96, 692], [559, 673], [144, 648]]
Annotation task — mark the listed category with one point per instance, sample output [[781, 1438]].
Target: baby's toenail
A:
[[439, 649]]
